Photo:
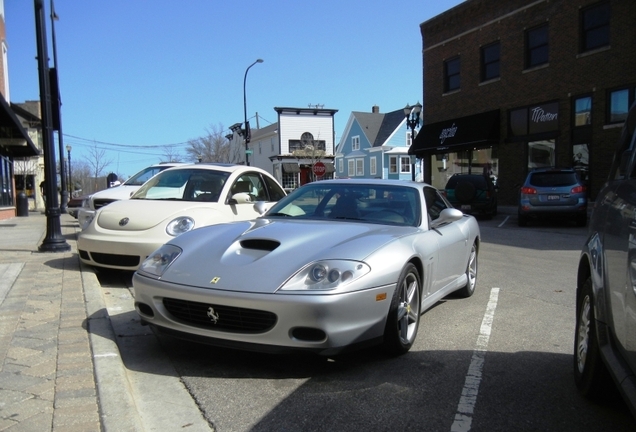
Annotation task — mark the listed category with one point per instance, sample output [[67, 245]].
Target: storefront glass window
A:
[[6, 185], [464, 162], [581, 160], [541, 154]]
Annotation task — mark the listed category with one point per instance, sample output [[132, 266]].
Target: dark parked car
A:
[[474, 194], [605, 333], [553, 192], [74, 204]]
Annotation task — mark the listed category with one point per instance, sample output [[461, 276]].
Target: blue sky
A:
[[136, 75]]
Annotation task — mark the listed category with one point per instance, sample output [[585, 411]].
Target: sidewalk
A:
[[60, 366]]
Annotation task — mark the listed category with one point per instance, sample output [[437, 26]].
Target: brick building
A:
[[519, 84]]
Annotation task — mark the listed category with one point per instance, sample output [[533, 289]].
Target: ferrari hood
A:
[[138, 215], [260, 255]]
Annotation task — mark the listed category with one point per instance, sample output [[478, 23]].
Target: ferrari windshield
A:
[[190, 184], [374, 203]]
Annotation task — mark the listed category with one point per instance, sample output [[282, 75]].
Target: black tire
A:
[[403, 319], [522, 220], [465, 192], [590, 373], [471, 274]]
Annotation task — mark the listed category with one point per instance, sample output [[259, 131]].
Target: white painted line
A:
[[106, 355], [504, 222], [466, 406]]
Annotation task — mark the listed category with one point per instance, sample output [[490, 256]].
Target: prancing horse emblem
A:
[[214, 317], [123, 222]]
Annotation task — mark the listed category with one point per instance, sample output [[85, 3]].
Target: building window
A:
[[451, 74], [619, 102], [393, 165], [409, 139], [537, 46], [405, 164], [340, 166], [359, 167], [373, 166], [490, 61], [595, 26], [355, 143], [541, 154], [583, 111], [351, 167], [271, 141]]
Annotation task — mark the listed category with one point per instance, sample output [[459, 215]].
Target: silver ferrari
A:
[[337, 264]]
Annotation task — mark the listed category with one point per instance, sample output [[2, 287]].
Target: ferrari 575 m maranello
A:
[[335, 265]]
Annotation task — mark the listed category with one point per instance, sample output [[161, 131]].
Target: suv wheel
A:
[[590, 375]]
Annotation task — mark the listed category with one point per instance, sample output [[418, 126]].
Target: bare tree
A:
[[97, 162], [171, 154], [214, 147]]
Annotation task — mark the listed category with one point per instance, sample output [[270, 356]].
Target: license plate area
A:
[[465, 207], [554, 197]]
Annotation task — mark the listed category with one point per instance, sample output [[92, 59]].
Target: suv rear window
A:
[[478, 180], [544, 179]]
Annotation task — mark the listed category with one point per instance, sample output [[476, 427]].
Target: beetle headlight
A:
[[180, 225], [158, 261], [326, 275]]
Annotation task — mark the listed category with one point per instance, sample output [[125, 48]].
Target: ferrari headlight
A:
[[326, 275], [158, 261], [180, 225]]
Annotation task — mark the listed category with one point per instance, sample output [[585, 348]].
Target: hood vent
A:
[[260, 244]]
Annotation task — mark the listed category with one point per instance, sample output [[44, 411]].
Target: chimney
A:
[[375, 109]]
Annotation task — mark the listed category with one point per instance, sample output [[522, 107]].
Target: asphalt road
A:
[[498, 361]]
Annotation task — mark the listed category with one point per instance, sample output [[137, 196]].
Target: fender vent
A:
[[260, 244]]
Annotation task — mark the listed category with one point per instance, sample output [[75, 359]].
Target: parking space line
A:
[[504, 222], [466, 406]]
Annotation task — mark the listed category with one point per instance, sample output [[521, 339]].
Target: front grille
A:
[[99, 203], [116, 260], [228, 318]]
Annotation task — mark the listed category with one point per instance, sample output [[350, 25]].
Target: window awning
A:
[[14, 140], [457, 134], [291, 168]]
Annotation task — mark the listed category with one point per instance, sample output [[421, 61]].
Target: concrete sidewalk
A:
[[60, 365]]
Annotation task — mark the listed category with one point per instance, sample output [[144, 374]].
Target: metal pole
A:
[[247, 133], [56, 86], [70, 179], [53, 241]]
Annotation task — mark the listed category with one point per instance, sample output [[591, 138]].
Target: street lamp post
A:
[[54, 241], [412, 114], [247, 133], [56, 120], [70, 179]]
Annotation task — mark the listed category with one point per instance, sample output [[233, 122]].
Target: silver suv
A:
[[605, 334]]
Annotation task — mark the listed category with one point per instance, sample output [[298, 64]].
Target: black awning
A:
[[14, 140], [457, 134], [291, 168]]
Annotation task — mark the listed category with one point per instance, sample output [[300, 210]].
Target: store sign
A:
[[447, 133], [535, 119]]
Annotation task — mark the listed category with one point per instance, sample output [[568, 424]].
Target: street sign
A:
[[319, 169], [249, 152]]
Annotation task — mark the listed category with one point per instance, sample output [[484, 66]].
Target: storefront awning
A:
[[457, 134], [291, 168], [14, 140]]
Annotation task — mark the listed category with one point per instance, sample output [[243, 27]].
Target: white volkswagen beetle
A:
[[123, 233]]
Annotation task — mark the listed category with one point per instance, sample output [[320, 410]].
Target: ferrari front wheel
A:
[[403, 319]]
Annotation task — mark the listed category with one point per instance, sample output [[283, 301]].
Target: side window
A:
[[248, 183], [276, 193], [434, 203]]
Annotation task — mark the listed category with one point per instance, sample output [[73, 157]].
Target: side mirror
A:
[[241, 198], [447, 216], [260, 207]]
